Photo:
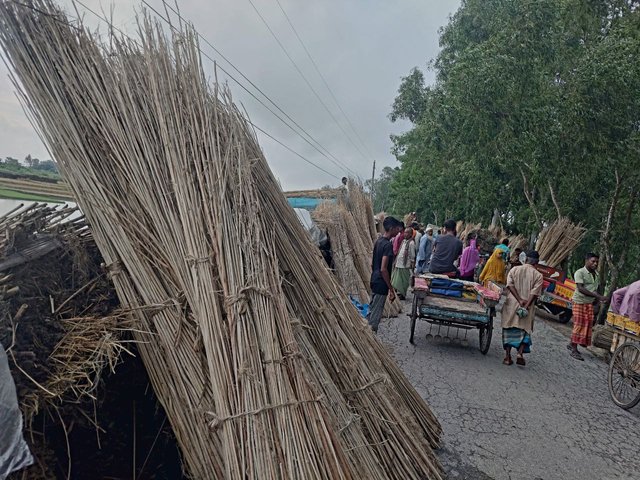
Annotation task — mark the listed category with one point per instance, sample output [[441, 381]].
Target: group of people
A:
[[396, 258], [524, 285], [418, 251]]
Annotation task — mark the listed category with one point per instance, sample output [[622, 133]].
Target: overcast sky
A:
[[362, 47]]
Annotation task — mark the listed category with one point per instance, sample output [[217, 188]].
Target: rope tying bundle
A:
[[375, 381], [215, 422]]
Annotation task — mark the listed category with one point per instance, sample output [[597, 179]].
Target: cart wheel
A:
[[624, 376], [565, 316], [485, 336], [413, 315]]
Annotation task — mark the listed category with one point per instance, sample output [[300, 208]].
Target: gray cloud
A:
[[363, 48]]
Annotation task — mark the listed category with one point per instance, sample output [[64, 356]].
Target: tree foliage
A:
[[535, 113], [381, 190]]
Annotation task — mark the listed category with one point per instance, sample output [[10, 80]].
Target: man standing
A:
[[417, 233], [424, 251], [446, 250], [587, 283], [381, 264], [515, 258], [524, 285]]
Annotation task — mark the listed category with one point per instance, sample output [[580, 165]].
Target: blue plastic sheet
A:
[[363, 308]]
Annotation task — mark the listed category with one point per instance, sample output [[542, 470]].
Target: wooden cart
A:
[[624, 367], [451, 312]]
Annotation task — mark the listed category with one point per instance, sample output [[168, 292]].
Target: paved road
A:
[[552, 419]]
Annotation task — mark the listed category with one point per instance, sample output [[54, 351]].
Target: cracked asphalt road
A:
[[552, 419]]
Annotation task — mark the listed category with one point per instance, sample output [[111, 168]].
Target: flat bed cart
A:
[[452, 312], [624, 368]]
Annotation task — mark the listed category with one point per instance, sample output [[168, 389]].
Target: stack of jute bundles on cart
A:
[[557, 240], [263, 366]]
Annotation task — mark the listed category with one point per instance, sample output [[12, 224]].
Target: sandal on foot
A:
[[507, 361], [520, 360], [577, 356]]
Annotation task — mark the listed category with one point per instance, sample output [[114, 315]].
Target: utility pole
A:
[[373, 179]]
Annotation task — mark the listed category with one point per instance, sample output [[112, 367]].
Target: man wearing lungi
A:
[[584, 297], [524, 285]]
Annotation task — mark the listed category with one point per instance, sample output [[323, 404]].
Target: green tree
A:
[[47, 166], [533, 112], [381, 190], [12, 162]]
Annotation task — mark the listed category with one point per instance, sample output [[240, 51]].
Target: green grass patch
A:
[[14, 195]]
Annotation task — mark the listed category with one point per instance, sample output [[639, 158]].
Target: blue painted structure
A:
[[308, 203]]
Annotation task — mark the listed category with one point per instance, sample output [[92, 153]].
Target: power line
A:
[[110, 25], [313, 90], [317, 146], [326, 84], [290, 149]]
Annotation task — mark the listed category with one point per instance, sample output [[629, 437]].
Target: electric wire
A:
[[110, 25], [308, 139], [306, 80], [324, 80]]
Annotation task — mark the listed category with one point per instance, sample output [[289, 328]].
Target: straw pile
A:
[[359, 204], [465, 230], [518, 241], [59, 321], [250, 344], [487, 239], [352, 232], [558, 240], [65, 337], [351, 257], [327, 193]]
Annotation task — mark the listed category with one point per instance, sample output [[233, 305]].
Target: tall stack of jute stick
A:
[[351, 257], [263, 366], [351, 227]]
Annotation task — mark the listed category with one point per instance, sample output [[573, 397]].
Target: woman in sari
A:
[[469, 261], [495, 270], [405, 263]]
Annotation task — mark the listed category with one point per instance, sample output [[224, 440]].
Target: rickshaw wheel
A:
[[624, 376], [485, 336], [413, 315]]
